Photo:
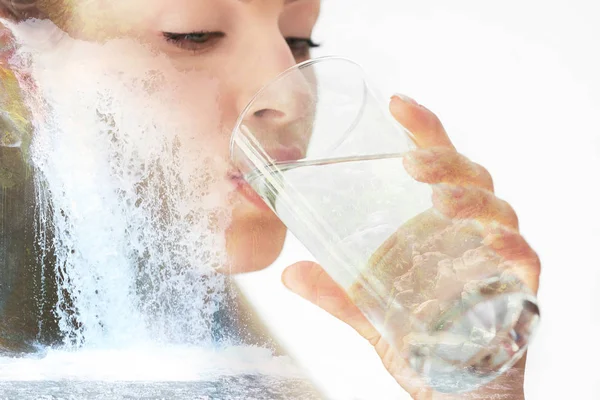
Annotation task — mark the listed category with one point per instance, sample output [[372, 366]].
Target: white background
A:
[[516, 84]]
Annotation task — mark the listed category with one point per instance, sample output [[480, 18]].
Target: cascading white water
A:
[[132, 203], [136, 206]]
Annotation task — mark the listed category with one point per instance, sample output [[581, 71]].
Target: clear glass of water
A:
[[321, 149]]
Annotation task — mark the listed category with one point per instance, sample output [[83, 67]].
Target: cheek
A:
[[199, 109], [208, 102], [189, 102]]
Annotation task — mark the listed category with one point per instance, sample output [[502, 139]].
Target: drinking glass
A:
[[320, 148]]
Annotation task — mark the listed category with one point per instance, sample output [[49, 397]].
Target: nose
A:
[[282, 104], [265, 59], [277, 113]]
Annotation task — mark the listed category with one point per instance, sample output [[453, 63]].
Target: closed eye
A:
[[301, 46], [194, 41]]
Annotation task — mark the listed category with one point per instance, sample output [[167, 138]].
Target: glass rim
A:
[[278, 78]]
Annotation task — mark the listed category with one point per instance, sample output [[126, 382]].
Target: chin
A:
[[254, 238]]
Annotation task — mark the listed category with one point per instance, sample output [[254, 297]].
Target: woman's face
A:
[[217, 53]]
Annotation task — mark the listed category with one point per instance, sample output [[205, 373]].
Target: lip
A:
[[280, 153], [247, 192]]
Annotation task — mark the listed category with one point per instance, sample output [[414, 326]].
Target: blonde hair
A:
[[21, 9], [15, 130], [15, 116], [15, 126], [58, 11]]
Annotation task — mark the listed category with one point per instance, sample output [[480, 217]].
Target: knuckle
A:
[[535, 263], [483, 176], [461, 170], [431, 121], [477, 202], [509, 214]]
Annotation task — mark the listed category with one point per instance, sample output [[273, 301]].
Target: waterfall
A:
[[131, 199]]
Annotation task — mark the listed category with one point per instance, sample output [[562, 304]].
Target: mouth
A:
[[280, 154], [242, 187]]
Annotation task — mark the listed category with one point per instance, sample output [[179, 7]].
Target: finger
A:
[[514, 249], [441, 164], [423, 125], [469, 202], [310, 281]]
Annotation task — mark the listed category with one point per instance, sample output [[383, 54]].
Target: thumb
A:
[[310, 281]]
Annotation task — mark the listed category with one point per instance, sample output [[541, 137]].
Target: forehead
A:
[[135, 8], [90, 15]]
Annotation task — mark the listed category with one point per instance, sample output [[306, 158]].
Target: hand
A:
[[466, 193]]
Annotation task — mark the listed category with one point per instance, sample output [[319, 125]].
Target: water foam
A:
[[132, 199], [147, 362]]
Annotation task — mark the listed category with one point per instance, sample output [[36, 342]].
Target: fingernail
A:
[[405, 98]]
